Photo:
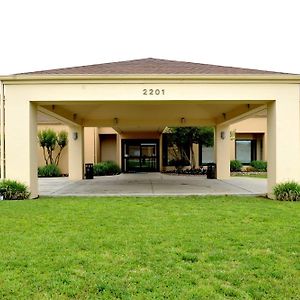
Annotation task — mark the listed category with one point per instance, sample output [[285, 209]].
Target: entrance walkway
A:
[[148, 184]]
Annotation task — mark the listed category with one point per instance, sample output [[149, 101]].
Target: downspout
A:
[[2, 121]]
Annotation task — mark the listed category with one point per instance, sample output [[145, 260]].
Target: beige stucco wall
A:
[[250, 125], [106, 130], [108, 147], [63, 162], [282, 100]]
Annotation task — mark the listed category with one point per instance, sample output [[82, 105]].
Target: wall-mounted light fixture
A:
[[223, 135], [182, 120], [232, 135], [116, 120], [75, 135]]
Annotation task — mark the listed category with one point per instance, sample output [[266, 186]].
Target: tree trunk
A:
[[44, 154], [56, 161], [193, 163], [50, 155]]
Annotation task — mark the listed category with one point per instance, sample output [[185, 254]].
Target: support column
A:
[[222, 151], [97, 145], [21, 143], [283, 142], [89, 145], [119, 150], [196, 149], [75, 153]]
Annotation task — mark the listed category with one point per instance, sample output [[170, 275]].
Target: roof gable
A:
[[151, 66]]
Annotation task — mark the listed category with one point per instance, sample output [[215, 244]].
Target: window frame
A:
[[253, 151]]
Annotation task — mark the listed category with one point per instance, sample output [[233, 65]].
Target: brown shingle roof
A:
[[151, 66]]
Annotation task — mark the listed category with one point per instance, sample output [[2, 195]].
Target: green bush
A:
[[287, 191], [49, 171], [179, 163], [259, 165], [235, 166], [106, 168], [99, 169], [13, 190]]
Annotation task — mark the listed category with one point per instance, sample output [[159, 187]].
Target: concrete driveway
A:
[[149, 184]]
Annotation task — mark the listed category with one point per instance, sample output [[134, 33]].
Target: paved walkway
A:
[[146, 184]]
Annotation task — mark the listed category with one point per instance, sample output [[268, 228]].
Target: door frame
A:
[[139, 142]]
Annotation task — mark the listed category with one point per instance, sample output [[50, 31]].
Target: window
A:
[[206, 155], [245, 151]]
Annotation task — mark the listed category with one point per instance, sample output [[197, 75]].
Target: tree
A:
[[62, 141], [49, 140], [182, 136]]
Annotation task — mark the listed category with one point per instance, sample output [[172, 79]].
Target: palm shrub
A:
[[235, 166], [259, 165], [106, 168], [13, 190], [287, 191], [49, 171]]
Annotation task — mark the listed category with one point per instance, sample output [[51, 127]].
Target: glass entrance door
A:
[[140, 156]]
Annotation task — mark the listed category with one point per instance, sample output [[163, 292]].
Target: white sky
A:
[[45, 34]]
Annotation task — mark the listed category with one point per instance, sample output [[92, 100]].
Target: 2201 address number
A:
[[153, 92]]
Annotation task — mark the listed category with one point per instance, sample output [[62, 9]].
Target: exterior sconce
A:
[[232, 135], [182, 120], [75, 135], [223, 135], [116, 120]]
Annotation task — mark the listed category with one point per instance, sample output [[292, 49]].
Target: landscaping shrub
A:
[[13, 190], [287, 191], [49, 171], [196, 171], [235, 166], [179, 163], [99, 169], [106, 168], [259, 165]]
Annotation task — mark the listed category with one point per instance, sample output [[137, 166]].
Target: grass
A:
[[150, 248]]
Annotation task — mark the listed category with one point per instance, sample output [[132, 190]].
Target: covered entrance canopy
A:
[[148, 95]]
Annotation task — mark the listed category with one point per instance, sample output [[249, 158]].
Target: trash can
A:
[[211, 171], [89, 171]]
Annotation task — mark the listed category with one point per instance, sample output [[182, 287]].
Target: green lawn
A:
[[150, 248]]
